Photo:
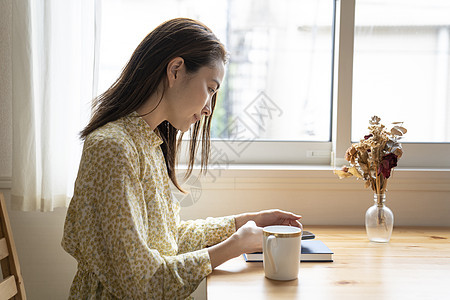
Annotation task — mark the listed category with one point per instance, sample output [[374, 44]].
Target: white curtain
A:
[[54, 68]]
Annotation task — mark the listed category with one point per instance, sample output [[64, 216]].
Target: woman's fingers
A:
[[290, 215]]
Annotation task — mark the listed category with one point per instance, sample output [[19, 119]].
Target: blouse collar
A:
[[141, 128]]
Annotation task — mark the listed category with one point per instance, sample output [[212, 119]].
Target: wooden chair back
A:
[[11, 287]]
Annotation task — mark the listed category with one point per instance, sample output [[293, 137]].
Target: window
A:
[[401, 67], [279, 101], [277, 88], [278, 82], [401, 72]]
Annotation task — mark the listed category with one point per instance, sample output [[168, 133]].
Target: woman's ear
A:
[[173, 70]]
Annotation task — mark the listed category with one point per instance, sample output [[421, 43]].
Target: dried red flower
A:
[[388, 162], [367, 159]]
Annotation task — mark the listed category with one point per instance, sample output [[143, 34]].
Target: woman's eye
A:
[[212, 91]]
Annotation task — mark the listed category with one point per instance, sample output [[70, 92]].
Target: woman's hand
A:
[[277, 217], [250, 237], [247, 239], [269, 217]]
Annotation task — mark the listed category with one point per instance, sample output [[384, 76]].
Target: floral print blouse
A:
[[123, 225]]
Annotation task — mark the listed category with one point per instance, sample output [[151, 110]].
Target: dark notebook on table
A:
[[312, 250]]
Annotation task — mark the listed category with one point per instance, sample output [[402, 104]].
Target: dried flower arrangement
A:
[[374, 157]]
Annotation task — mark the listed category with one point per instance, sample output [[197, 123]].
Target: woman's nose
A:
[[206, 110]]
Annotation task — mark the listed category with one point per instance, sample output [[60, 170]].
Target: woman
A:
[[122, 225]]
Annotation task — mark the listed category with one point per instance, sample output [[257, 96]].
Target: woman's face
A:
[[189, 95]]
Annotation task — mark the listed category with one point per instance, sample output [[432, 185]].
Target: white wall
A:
[[5, 90], [417, 198]]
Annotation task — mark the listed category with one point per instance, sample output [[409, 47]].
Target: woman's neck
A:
[[153, 111]]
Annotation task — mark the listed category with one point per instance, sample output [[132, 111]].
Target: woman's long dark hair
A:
[[146, 69]]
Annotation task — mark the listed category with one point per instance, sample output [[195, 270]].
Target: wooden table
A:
[[415, 264]]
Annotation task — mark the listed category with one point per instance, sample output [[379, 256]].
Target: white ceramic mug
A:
[[281, 248]]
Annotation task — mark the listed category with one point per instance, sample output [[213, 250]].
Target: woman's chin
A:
[[184, 128]]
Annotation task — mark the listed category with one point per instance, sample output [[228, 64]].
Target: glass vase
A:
[[379, 220]]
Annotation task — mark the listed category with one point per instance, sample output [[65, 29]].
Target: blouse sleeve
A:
[[125, 261], [197, 234]]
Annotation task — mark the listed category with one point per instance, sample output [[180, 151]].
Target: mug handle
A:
[[271, 244]]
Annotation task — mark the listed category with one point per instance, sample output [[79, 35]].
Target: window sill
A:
[[306, 177], [315, 177], [269, 169]]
